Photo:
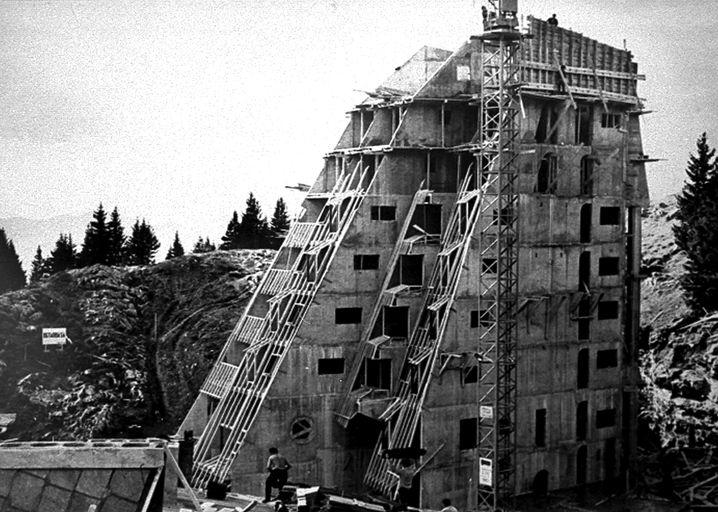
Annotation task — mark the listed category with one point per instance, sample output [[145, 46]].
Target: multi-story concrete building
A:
[[425, 299]]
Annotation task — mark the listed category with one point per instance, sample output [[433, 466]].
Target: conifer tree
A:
[[12, 277], [695, 231], [176, 250], [116, 239], [40, 267], [254, 229], [142, 245], [280, 219], [203, 246], [64, 255], [96, 246], [232, 238]]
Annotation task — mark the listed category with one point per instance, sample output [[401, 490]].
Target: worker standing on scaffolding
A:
[[278, 468]]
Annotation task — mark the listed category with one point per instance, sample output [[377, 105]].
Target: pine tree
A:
[[64, 255], [142, 245], [96, 246], [12, 277], [116, 239], [40, 267], [232, 238], [203, 246], [280, 219], [254, 229], [176, 250], [695, 232]]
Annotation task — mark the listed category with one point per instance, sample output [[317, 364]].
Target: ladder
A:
[[428, 333], [242, 388], [368, 347]]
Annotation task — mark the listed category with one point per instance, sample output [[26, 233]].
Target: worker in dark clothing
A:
[[553, 21], [278, 468]]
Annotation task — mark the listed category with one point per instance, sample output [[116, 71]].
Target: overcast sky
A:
[[175, 110]]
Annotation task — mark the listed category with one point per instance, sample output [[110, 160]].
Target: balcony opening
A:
[[426, 220], [547, 180], [581, 421], [377, 373], [540, 428], [410, 271], [584, 271], [585, 222], [583, 369], [584, 125], [587, 164], [396, 321]]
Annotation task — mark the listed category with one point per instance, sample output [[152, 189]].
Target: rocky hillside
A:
[[143, 339], [680, 357]]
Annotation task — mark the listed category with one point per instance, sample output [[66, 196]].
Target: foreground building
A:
[[463, 278]]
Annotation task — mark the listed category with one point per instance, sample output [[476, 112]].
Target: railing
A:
[[220, 378]]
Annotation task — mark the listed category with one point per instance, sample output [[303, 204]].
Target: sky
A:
[[176, 110]]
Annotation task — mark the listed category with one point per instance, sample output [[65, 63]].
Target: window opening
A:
[[605, 418], [586, 221], [584, 122], [540, 432], [583, 369], [608, 310], [330, 365], [383, 212], [467, 434], [302, 430], [546, 181], [581, 421], [377, 373], [411, 269], [426, 220], [584, 271], [347, 315], [608, 266], [610, 216], [587, 164], [366, 261], [396, 321], [606, 358]]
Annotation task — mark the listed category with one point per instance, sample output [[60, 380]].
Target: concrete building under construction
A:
[[462, 279]]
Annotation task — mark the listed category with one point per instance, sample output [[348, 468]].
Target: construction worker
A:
[[553, 21], [278, 468], [448, 507], [406, 471]]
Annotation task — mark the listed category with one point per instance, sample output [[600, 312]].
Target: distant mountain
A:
[[27, 234]]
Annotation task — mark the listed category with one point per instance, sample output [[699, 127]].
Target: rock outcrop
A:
[[143, 340]]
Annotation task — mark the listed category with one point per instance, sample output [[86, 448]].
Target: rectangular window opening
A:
[[470, 374], [607, 358], [377, 373], [382, 212], [474, 321], [608, 310], [540, 427], [610, 215], [581, 421], [583, 369], [366, 261], [610, 120], [608, 266], [347, 316], [605, 418], [330, 366], [467, 434], [584, 329], [396, 321]]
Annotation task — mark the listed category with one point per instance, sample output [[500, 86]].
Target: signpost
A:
[[485, 472], [56, 336]]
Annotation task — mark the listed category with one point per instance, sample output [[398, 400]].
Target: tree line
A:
[[106, 243]]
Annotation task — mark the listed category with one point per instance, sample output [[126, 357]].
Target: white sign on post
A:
[[486, 412], [54, 336], [486, 472]]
